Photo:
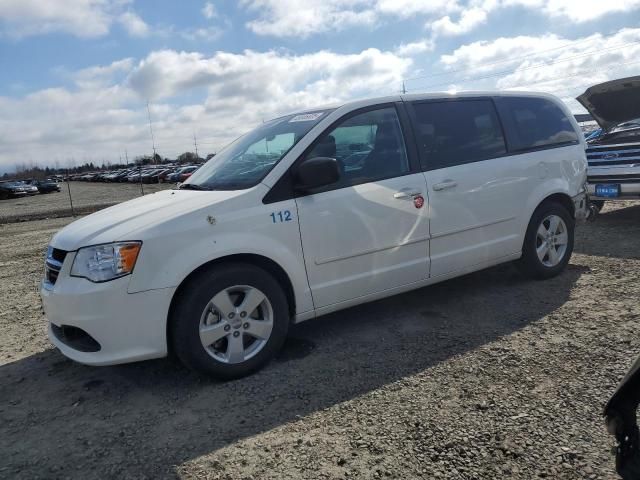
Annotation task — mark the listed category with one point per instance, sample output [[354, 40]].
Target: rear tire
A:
[[548, 243], [229, 321]]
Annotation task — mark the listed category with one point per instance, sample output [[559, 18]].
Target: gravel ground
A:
[[485, 376], [87, 197]]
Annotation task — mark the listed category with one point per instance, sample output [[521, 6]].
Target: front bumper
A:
[[127, 327], [628, 191], [15, 194]]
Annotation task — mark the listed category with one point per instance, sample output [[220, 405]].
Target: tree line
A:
[[32, 170]]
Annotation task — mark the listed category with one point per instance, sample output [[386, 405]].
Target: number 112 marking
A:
[[282, 216]]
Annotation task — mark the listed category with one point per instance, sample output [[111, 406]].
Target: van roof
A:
[[425, 96]]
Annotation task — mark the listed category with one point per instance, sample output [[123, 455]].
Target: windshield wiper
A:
[[192, 186]]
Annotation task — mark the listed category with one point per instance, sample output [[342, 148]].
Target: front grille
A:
[[52, 276], [614, 155], [53, 264], [614, 178]]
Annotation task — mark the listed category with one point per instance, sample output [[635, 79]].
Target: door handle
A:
[[445, 185], [406, 194]]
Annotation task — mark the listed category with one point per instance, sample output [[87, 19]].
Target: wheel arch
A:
[[563, 199], [260, 261], [557, 196]]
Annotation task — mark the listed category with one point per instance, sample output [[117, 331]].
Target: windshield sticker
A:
[[306, 117]]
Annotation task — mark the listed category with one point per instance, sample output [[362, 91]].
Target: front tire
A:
[[229, 321], [548, 243]]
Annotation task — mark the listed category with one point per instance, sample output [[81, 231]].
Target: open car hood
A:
[[613, 102]]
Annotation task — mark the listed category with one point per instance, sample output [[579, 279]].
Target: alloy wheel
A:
[[236, 324], [551, 241]]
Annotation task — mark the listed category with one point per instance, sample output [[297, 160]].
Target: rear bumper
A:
[[581, 206]]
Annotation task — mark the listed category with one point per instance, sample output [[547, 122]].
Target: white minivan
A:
[[315, 212]]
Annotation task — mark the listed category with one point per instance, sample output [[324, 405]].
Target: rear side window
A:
[[457, 132], [533, 123]]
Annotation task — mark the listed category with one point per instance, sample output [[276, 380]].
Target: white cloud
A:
[[106, 112], [564, 67], [409, 8], [206, 34], [414, 48], [325, 74], [476, 12], [481, 55], [297, 18], [469, 19], [303, 18], [578, 10], [82, 18], [133, 24], [209, 11], [100, 76]]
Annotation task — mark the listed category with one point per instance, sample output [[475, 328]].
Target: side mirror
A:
[[316, 172]]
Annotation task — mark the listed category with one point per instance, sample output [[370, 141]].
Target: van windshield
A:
[[246, 161]]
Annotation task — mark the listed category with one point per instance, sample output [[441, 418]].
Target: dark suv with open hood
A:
[[614, 155]]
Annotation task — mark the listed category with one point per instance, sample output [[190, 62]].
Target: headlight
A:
[[102, 263]]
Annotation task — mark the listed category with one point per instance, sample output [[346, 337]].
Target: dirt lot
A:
[[486, 376], [87, 197]]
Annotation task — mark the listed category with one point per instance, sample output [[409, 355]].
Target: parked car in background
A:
[[175, 177], [277, 229], [154, 176], [186, 173], [11, 190], [163, 176], [29, 187], [124, 176], [46, 186], [135, 175], [614, 154]]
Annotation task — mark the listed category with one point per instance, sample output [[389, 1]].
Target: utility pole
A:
[[153, 142], [404, 90], [126, 157], [195, 144]]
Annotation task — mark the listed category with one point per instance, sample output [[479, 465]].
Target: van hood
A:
[[612, 103], [117, 223]]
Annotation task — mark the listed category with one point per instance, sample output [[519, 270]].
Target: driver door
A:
[[368, 232]]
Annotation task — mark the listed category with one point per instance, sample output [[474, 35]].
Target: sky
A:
[[76, 76]]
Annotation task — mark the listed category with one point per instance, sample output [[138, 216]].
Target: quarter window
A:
[[368, 146], [458, 132], [535, 123]]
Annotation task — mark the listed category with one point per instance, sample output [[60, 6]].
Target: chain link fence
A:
[[75, 198]]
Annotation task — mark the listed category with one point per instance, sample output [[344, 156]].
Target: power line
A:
[[496, 62], [517, 70], [579, 73], [495, 74], [580, 55]]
